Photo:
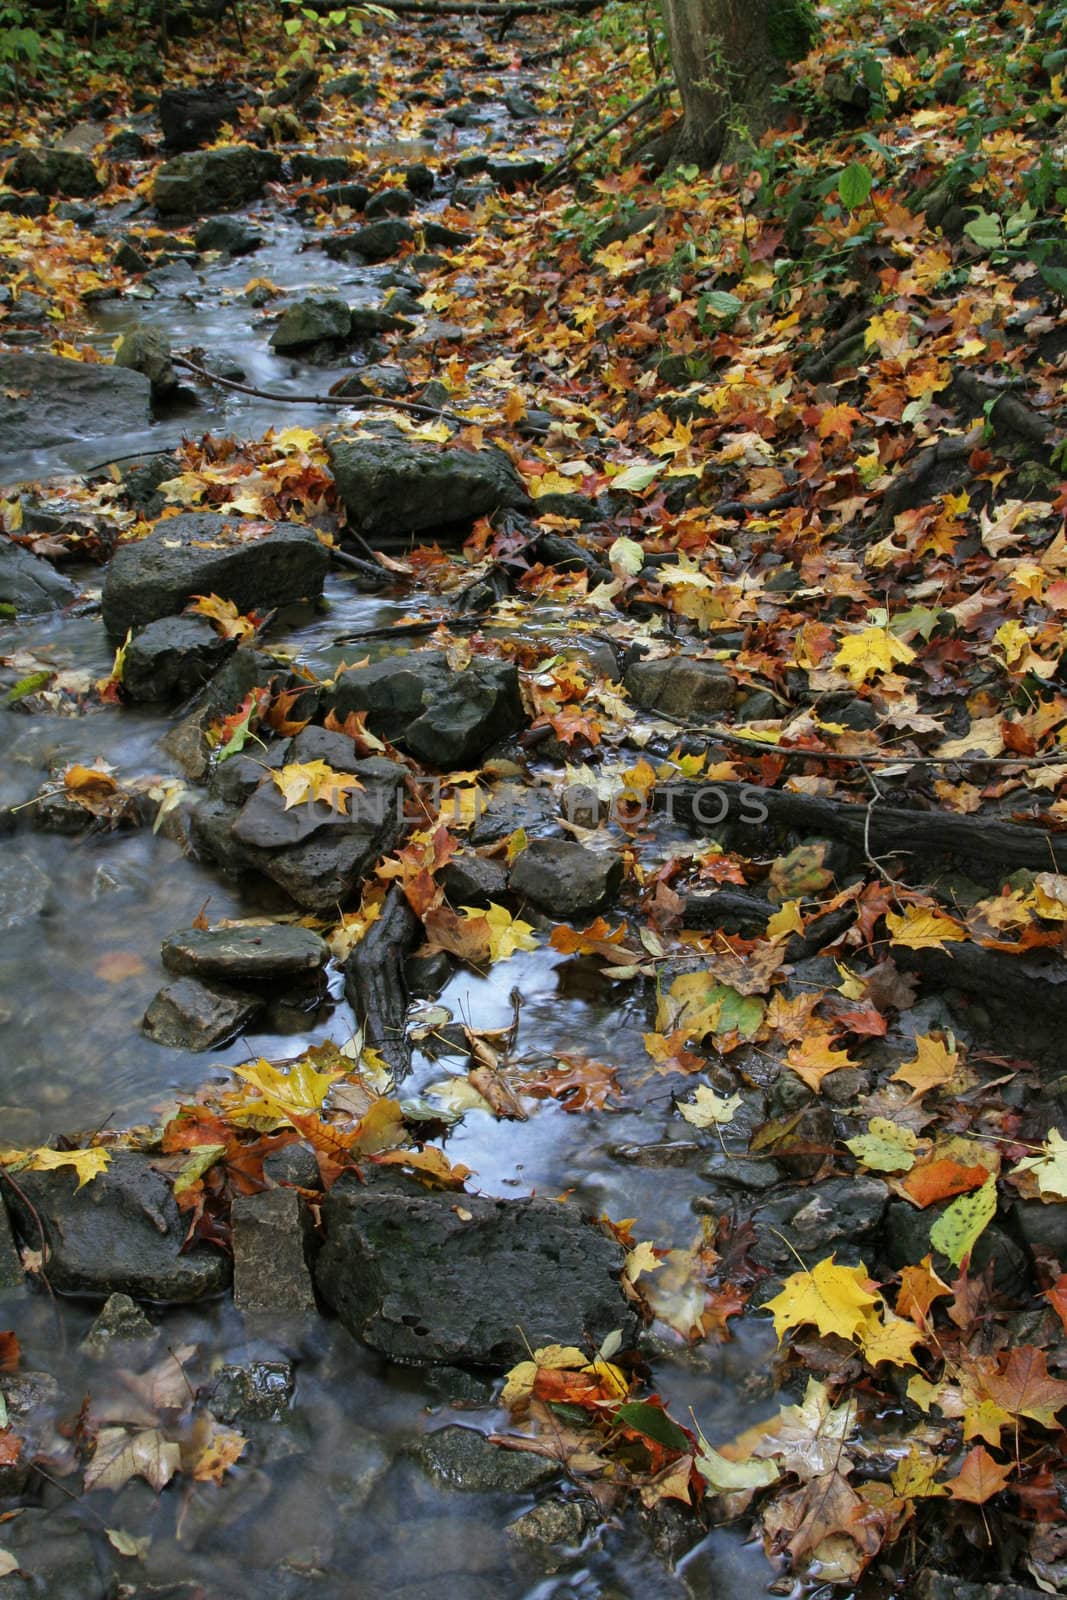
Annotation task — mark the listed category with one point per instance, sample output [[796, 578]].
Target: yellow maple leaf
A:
[[229, 622], [892, 1339], [707, 1109], [814, 1059], [920, 928], [864, 655], [86, 1163], [302, 1089], [933, 1064], [835, 1299], [505, 933], [304, 781]]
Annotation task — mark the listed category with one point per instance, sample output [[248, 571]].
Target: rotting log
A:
[[375, 986]]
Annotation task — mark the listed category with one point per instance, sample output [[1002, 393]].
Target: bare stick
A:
[[568, 160]]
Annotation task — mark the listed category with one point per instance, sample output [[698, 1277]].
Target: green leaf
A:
[[958, 1227], [985, 230], [721, 302], [1056, 278], [854, 185], [24, 687], [636, 478], [885, 1147], [654, 1424], [727, 1477], [627, 555]]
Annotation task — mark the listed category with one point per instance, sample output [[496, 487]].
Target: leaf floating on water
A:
[[121, 1455]]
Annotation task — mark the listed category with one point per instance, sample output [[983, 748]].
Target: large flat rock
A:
[[394, 486], [51, 401], [426, 1277], [203, 553]]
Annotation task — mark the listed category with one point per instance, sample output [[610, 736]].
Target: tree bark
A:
[[727, 56]]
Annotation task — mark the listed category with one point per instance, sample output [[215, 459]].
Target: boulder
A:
[[269, 1270], [147, 350], [399, 486], [445, 718], [565, 879], [213, 180], [229, 234], [310, 322], [251, 953], [29, 585], [190, 1015], [54, 172], [472, 880], [317, 855], [202, 553], [376, 242], [172, 658], [390, 203], [681, 686], [509, 173], [192, 117], [367, 321], [308, 168], [429, 1277], [52, 401], [353, 195], [25, 890], [122, 1232], [842, 1215]]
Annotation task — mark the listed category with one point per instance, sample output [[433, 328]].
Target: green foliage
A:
[[20, 46]]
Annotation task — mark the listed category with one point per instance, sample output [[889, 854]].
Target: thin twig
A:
[[571, 156]]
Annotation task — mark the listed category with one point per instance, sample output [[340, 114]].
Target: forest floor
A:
[[678, 562]]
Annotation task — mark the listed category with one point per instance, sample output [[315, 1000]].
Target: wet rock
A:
[[471, 880], [553, 1525], [426, 976], [262, 1391], [907, 1240], [842, 1215], [681, 686], [130, 257], [461, 1389], [213, 180], [29, 585], [122, 1232], [172, 658], [11, 1273], [311, 322], [420, 180], [294, 1164], [376, 242], [308, 168], [428, 1278], [940, 1586], [353, 195], [462, 1458], [250, 953], [565, 879], [439, 236], [120, 1321], [377, 379], [446, 719], [148, 350], [128, 145], [1043, 1227], [519, 105], [351, 86], [55, 172], [366, 321], [509, 173], [190, 1015], [659, 1153], [230, 234], [57, 1559], [319, 855], [269, 1270], [390, 203], [201, 553], [741, 1172], [140, 483], [401, 486], [51, 401], [192, 117]]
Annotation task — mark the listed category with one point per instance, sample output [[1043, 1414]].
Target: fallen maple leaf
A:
[[959, 1227], [835, 1299], [933, 1065], [229, 623], [1049, 1168], [920, 928], [864, 655], [302, 782], [708, 1109], [121, 1454], [979, 1477], [1024, 1388]]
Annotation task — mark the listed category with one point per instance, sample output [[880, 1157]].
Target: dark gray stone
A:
[[367, 321], [941, 1586], [121, 1232], [262, 1391], [426, 976], [311, 322], [444, 718], [140, 482], [128, 145], [1043, 1227], [49, 401], [471, 880], [390, 203], [907, 1240], [563, 878], [419, 179], [57, 1559], [462, 1458], [680, 685], [427, 1277], [351, 86], [308, 168], [190, 1015], [245, 954], [147, 350], [120, 1321], [192, 117], [269, 1270], [29, 584], [201, 553], [172, 658], [12, 1275], [376, 242], [554, 1523], [400, 486], [509, 173], [842, 1215], [378, 379], [229, 234], [55, 172], [353, 195], [213, 180]]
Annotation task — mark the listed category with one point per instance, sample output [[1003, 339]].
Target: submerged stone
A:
[[252, 952], [190, 1015]]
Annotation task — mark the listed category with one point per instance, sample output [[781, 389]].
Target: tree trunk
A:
[[727, 55]]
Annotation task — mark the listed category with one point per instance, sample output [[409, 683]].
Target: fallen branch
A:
[[356, 402], [571, 156], [881, 829]]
